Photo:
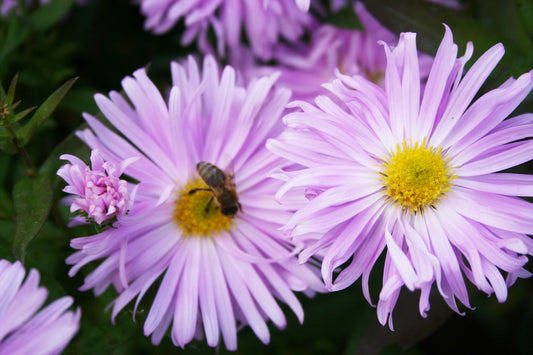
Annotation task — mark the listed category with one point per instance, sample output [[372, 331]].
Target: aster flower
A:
[[388, 171], [304, 67], [213, 237], [101, 194], [22, 330], [264, 22]]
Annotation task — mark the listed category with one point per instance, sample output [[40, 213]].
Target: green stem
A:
[[32, 172]]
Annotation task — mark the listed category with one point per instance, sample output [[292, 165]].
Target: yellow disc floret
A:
[[196, 212], [416, 176]]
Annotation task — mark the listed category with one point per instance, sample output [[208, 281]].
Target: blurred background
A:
[[104, 41]]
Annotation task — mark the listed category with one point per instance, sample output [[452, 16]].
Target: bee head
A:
[[229, 211]]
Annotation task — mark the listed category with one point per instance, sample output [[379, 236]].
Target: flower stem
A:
[[31, 172]]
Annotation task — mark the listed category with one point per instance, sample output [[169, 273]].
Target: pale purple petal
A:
[[23, 330]]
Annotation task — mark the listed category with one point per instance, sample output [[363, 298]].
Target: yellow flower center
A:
[[197, 214], [417, 177]]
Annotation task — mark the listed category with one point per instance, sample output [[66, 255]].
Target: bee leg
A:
[[198, 189], [208, 205], [240, 206]]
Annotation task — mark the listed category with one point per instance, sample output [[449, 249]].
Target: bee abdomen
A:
[[212, 175]]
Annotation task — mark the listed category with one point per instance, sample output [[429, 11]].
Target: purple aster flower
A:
[[388, 170], [101, 194], [22, 330], [264, 22], [204, 218], [304, 67]]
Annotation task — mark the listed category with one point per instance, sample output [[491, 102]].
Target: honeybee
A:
[[222, 187]]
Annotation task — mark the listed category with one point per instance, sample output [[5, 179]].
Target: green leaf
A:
[[43, 112], [16, 34], [33, 199], [504, 18], [346, 18], [11, 90], [5, 164], [6, 205], [426, 20], [409, 327], [6, 142], [525, 10], [48, 15], [15, 118], [7, 230]]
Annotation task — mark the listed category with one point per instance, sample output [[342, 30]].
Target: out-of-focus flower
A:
[[264, 22], [22, 330], [452, 4], [211, 233], [101, 194], [305, 67], [414, 176]]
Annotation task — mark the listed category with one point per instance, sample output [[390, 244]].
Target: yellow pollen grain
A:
[[191, 215], [417, 176]]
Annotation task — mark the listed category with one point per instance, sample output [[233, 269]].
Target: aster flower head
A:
[[24, 329], [265, 22], [100, 193], [304, 67], [204, 219], [414, 177]]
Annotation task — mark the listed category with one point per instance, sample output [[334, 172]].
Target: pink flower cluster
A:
[[101, 194], [263, 22]]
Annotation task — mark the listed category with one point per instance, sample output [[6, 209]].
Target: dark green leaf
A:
[[15, 118], [525, 10], [346, 18], [409, 326], [6, 205], [426, 20], [48, 15], [32, 201], [16, 34], [81, 100], [7, 230], [504, 18], [43, 112], [6, 143], [11, 90], [5, 163]]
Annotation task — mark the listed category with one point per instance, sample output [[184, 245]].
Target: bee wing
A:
[[226, 164]]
